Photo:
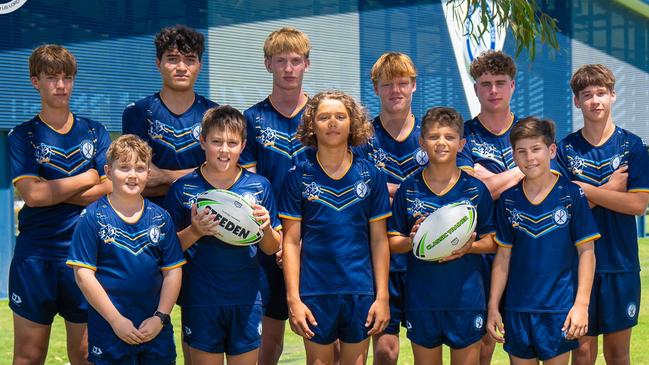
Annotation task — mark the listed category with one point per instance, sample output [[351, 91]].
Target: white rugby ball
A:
[[444, 231], [237, 225]]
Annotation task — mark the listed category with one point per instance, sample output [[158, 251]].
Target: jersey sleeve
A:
[[379, 195], [134, 122], [398, 223], [638, 167], [290, 203], [504, 234], [560, 162], [21, 156], [84, 247], [582, 224], [486, 221], [172, 253], [103, 142], [464, 160], [268, 202], [248, 157], [174, 205]]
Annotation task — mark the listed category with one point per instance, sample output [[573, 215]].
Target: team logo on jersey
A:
[[16, 298], [576, 165], [250, 198], [615, 162], [478, 322], [156, 129], [108, 233], [87, 149], [154, 234], [362, 189], [196, 131], [560, 216], [486, 150], [417, 208], [421, 157], [42, 152], [379, 158], [312, 191], [96, 351], [631, 310], [267, 136], [515, 218]]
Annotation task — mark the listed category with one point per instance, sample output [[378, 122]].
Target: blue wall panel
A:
[[419, 31]]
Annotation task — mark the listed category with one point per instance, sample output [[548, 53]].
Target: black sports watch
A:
[[164, 317]]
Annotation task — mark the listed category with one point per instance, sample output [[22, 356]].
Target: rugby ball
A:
[[237, 225], [444, 231]]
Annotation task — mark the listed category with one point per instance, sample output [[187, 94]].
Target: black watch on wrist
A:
[[164, 317]]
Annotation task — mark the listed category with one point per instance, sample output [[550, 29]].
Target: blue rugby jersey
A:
[[37, 151], [458, 284], [271, 147], [335, 216], [217, 273], [173, 138], [493, 152], [543, 270], [128, 258], [398, 159], [617, 250]]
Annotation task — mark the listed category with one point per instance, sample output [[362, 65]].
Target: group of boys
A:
[[85, 218]]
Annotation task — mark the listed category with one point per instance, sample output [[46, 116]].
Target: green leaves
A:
[[524, 17]]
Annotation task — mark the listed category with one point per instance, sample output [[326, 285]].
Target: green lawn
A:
[[294, 351]]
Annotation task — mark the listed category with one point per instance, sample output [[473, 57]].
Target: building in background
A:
[[113, 43]]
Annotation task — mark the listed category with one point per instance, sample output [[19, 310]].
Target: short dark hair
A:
[[533, 127], [224, 117], [445, 117], [186, 40], [592, 75]]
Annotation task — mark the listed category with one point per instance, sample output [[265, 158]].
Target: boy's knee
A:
[[617, 355]]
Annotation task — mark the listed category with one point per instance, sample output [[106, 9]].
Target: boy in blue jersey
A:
[[487, 153], [57, 161], [221, 300], [271, 150], [454, 312], [170, 120], [126, 258], [395, 150], [336, 256], [612, 167], [545, 233]]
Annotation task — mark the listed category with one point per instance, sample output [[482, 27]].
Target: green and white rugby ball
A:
[[444, 231], [237, 225]]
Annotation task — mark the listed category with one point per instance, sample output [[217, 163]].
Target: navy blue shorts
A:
[[108, 349], [273, 288], [232, 329], [397, 288], [456, 329], [536, 335], [614, 302], [339, 317], [39, 289]]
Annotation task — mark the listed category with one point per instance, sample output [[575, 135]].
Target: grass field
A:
[[294, 351]]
